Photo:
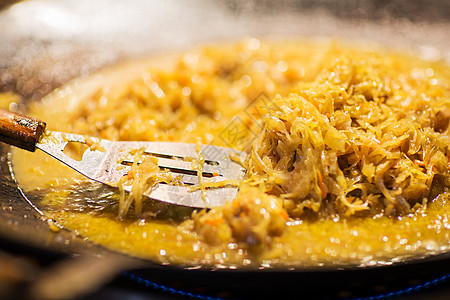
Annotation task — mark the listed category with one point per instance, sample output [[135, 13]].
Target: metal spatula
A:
[[108, 161]]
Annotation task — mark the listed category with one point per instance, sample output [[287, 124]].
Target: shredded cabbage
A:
[[353, 142]]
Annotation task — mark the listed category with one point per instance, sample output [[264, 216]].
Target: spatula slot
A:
[[161, 155], [188, 172], [178, 170]]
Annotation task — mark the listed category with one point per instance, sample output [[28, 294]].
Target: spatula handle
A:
[[20, 131]]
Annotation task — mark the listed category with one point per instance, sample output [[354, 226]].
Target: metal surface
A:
[[109, 161], [46, 43]]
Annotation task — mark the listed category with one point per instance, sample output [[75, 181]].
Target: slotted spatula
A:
[[107, 162]]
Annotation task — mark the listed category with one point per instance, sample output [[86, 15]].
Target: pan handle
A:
[[20, 131]]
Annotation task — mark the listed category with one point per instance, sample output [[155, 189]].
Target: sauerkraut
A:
[[359, 139]]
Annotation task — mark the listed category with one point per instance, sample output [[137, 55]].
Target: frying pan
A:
[[46, 43]]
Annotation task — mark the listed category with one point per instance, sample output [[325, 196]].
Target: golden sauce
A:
[[197, 95]]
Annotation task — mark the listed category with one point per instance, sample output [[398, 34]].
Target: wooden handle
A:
[[19, 130]]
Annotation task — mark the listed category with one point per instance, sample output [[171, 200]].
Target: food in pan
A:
[[348, 154]]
